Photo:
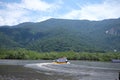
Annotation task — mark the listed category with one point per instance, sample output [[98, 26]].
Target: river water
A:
[[45, 70]]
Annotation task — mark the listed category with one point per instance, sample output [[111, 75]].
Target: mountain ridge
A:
[[64, 35]]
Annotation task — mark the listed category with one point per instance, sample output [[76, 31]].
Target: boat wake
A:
[[68, 68], [61, 68], [39, 66], [73, 70]]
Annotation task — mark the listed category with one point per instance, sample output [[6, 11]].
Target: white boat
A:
[[61, 61]]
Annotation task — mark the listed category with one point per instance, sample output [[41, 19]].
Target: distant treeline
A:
[[71, 55]]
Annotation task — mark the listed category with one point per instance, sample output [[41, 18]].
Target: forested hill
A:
[[63, 35]]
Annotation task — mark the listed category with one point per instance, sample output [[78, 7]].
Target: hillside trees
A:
[[63, 35]]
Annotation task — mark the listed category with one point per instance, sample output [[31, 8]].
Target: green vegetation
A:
[[54, 38], [71, 55], [63, 35]]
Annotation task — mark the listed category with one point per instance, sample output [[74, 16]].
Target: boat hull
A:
[[61, 62]]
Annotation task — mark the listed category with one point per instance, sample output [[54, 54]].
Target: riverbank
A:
[[23, 54]]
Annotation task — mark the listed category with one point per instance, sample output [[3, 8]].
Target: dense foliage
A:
[[71, 55], [63, 35]]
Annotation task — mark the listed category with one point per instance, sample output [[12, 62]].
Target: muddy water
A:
[[45, 70]]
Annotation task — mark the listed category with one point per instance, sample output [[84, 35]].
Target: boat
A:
[[116, 60], [61, 61]]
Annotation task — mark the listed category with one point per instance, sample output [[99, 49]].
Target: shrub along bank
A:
[[71, 55]]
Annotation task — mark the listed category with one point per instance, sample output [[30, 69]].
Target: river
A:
[[45, 70]]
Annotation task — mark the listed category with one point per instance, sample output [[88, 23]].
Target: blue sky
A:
[[13, 12]]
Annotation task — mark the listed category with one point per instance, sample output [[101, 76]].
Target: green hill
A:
[[63, 35]]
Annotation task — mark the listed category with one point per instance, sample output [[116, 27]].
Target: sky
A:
[[13, 12]]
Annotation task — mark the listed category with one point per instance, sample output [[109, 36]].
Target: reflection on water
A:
[[44, 70]]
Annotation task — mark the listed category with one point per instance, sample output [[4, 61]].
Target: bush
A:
[[71, 55]]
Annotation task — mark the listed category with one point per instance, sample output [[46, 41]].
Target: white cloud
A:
[[14, 13], [43, 18], [39, 10], [107, 9], [36, 5], [74, 14]]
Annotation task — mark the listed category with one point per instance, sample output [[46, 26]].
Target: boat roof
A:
[[61, 60]]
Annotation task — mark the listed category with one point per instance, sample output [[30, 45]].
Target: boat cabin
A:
[[61, 60]]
